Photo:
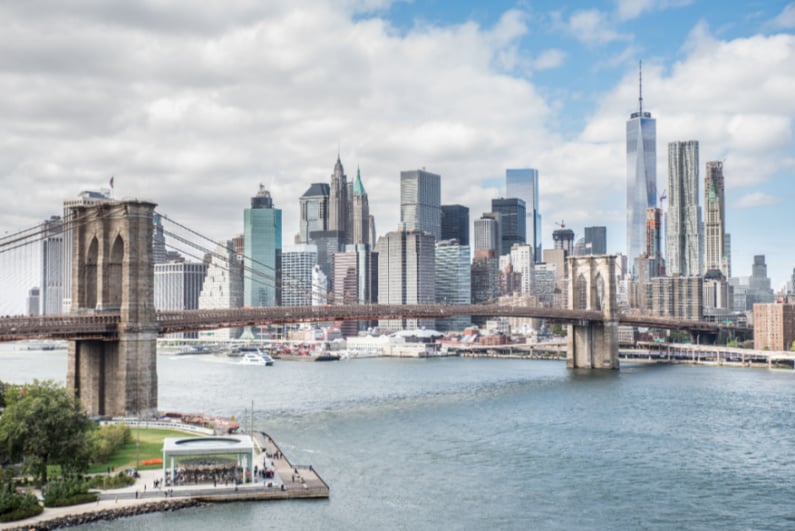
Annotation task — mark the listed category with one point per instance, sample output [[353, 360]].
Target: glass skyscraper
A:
[[262, 234], [512, 222], [421, 201], [523, 183], [683, 226], [641, 178]]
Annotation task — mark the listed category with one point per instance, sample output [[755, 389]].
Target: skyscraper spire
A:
[[640, 85]]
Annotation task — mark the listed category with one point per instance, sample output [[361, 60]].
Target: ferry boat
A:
[[254, 356]]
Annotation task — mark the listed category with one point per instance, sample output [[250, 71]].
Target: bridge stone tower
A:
[[113, 271], [592, 286]]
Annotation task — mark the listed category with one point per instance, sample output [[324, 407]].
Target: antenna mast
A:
[[640, 86]]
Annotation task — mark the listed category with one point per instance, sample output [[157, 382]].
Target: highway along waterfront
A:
[[459, 443]]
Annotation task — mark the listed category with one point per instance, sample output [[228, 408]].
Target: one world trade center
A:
[[641, 178]]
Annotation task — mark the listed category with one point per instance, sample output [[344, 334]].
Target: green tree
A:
[[678, 336], [792, 348], [44, 425]]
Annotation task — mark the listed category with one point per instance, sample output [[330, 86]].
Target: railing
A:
[[104, 326]]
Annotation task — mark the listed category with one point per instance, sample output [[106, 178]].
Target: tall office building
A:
[[338, 201], [523, 183], [564, 239], [421, 201], [683, 225], [297, 267], [522, 260], [453, 281], [223, 287], [727, 251], [595, 240], [487, 233], [262, 235], [177, 286], [715, 220], [51, 294], [360, 211], [313, 211], [455, 223], [641, 175], [759, 290], [512, 222], [34, 298], [84, 198], [355, 281], [406, 259]]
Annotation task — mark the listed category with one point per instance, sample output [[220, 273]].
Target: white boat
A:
[[254, 356]]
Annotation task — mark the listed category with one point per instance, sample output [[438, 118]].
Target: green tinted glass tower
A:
[[262, 234]]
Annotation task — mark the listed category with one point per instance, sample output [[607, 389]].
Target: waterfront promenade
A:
[[290, 481]]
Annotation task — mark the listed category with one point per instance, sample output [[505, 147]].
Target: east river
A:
[[493, 444]]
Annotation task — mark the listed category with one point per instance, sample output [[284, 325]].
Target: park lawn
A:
[[131, 454]]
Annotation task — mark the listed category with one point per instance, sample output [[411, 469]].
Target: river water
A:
[[505, 444]]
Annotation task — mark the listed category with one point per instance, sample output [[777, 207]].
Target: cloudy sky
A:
[[194, 104]]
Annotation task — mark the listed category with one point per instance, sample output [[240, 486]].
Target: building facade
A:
[[455, 223], [595, 240], [313, 206], [338, 202], [262, 234], [453, 281], [51, 294], [523, 183], [222, 288], [774, 326], [512, 222], [683, 222], [678, 297], [487, 233], [360, 208], [715, 257], [297, 267], [421, 201], [641, 176], [406, 273]]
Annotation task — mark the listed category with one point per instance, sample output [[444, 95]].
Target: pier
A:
[[290, 481]]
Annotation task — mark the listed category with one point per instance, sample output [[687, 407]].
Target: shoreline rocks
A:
[[81, 518]]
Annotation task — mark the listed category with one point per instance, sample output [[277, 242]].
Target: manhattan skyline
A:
[[193, 106]]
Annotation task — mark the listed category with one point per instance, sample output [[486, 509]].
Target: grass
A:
[[131, 454]]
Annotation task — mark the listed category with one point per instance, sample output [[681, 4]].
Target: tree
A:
[[44, 425]]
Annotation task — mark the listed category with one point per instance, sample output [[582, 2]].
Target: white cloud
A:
[[757, 199], [194, 114], [785, 19], [548, 59], [592, 26], [629, 9]]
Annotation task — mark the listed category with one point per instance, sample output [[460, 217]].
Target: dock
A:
[[290, 481]]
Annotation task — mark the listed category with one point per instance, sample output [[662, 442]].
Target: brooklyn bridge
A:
[[113, 325]]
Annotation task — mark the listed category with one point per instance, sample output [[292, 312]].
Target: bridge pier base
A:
[[592, 286], [592, 346], [112, 269]]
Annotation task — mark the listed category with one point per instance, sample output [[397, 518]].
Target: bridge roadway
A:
[[104, 325]]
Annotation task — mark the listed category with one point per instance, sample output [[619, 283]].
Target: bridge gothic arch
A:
[[113, 288], [592, 286], [88, 296]]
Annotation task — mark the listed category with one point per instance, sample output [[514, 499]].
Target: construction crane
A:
[[562, 224]]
